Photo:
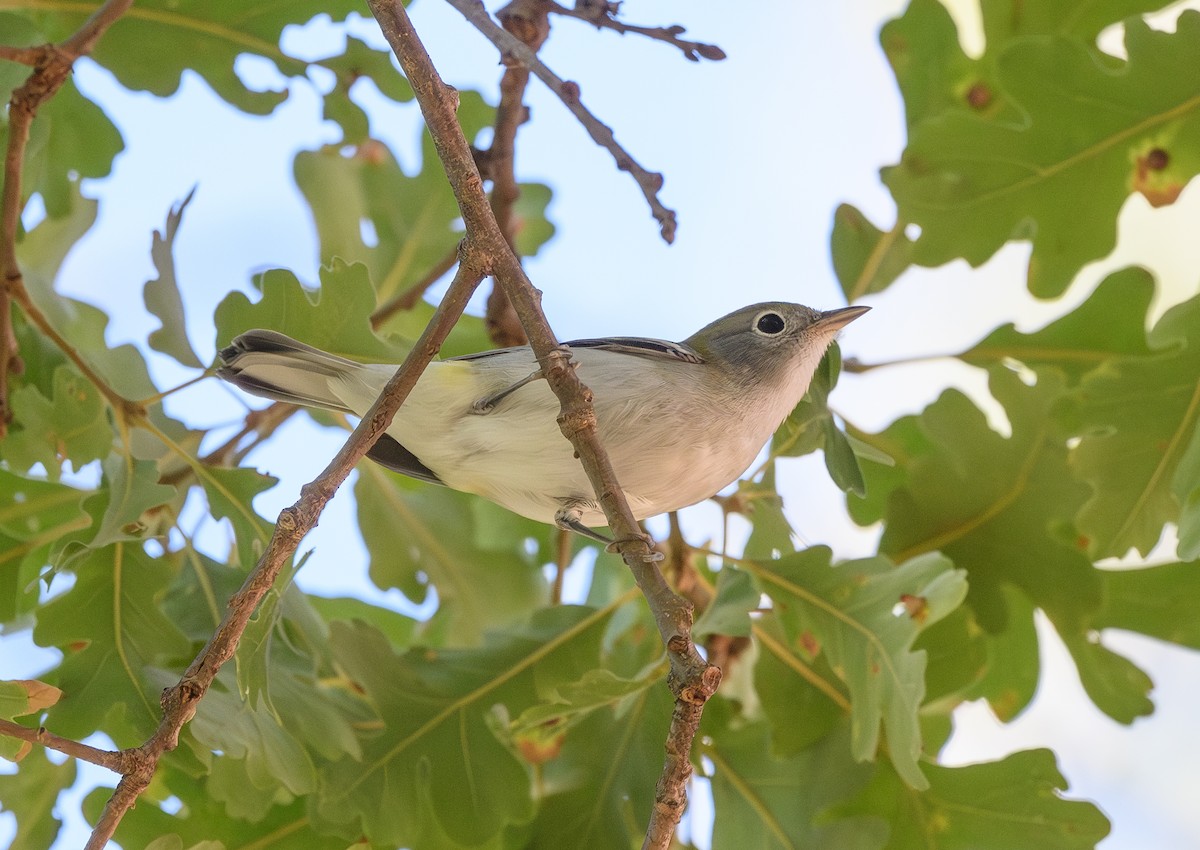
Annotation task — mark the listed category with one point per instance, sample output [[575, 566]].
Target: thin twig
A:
[[529, 21], [408, 299], [179, 702], [602, 15], [261, 423], [692, 680], [114, 761], [512, 49], [31, 56]]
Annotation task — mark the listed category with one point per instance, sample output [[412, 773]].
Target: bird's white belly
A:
[[516, 455]]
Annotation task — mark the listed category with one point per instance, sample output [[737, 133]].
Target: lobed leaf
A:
[[1097, 133], [864, 616]]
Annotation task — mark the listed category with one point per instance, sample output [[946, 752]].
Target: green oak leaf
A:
[[357, 62], [990, 502], [69, 425], [111, 630], [230, 495], [336, 318], [436, 742], [811, 426], [33, 509], [729, 611], [799, 692], [202, 817], [422, 535], [771, 534], [41, 254], [162, 294], [1010, 677], [1139, 446], [1001, 509], [398, 628], [70, 138], [31, 796], [1111, 323], [260, 757], [204, 37], [770, 803], [35, 516], [573, 701], [133, 489], [936, 76], [864, 616], [1059, 174], [866, 259], [25, 696], [1156, 601], [414, 218], [608, 764], [19, 31], [1014, 802]]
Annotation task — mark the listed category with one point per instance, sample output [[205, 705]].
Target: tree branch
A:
[[31, 56], [51, 69], [105, 758], [528, 20], [179, 702], [692, 680], [512, 49], [602, 15]]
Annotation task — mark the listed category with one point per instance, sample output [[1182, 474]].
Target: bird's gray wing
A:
[[640, 346], [637, 346]]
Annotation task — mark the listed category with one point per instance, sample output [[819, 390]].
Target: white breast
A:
[[672, 439]]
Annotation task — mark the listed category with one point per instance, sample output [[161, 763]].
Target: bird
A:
[[679, 420]]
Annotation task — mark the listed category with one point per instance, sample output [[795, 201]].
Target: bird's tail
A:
[[270, 364]]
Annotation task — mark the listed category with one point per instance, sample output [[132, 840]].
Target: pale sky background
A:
[[757, 150]]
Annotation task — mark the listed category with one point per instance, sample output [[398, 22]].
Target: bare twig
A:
[[528, 20], [32, 56], [602, 15], [179, 702], [512, 49], [408, 299], [692, 680], [261, 423], [52, 67], [104, 758]]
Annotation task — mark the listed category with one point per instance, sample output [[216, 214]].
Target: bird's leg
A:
[[488, 403], [568, 517]]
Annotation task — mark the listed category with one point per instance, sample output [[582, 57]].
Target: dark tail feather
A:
[[272, 365]]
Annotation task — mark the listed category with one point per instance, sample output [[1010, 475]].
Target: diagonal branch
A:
[[692, 679], [179, 702], [513, 49], [602, 15]]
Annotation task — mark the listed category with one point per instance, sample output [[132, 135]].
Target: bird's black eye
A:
[[770, 323]]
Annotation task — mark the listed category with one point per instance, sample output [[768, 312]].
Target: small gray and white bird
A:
[[680, 420]]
